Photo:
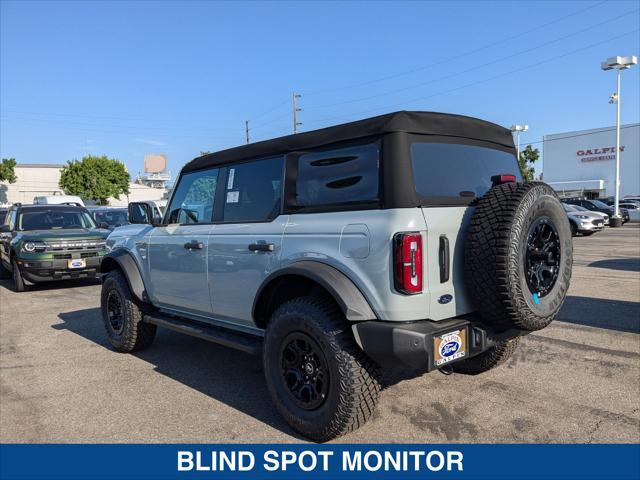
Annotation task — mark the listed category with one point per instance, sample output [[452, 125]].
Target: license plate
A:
[[76, 263], [449, 347]]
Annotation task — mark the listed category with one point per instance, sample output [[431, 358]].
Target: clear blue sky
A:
[[129, 78]]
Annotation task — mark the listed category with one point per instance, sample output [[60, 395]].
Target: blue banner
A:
[[318, 462]]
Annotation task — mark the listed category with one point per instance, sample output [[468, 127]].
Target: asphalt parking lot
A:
[[576, 381]]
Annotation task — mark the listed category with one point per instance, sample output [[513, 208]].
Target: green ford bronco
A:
[[41, 243]]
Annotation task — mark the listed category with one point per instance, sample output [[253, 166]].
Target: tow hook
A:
[[446, 370]]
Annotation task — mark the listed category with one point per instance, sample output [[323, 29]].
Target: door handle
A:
[[194, 245], [444, 259], [262, 247]]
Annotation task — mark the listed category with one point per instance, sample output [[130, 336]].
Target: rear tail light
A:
[[407, 251], [503, 178]]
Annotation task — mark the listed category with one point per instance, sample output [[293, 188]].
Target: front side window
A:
[[193, 199], [333, 177], [458, 173], [254, 191], [57, 219]]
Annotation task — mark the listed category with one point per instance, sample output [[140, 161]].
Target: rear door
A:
[[245, 245], [178, 251], [449, 174]]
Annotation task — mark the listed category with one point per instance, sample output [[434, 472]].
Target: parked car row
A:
[[588, 216], [56, 239]]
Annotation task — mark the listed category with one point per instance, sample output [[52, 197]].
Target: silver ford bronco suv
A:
[[403, 241]]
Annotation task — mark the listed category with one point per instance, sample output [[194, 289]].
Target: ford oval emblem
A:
[[444, 299]]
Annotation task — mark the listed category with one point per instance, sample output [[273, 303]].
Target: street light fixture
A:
[[618, 64], [517, 129]]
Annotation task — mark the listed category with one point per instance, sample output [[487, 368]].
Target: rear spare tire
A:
[[518, 256]]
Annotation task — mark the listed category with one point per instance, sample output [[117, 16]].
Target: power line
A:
[[458, 57], [494, 77], [501, 59]]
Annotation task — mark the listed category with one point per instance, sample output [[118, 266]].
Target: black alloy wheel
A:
[[115, 312], [305, 370], [542, 257]]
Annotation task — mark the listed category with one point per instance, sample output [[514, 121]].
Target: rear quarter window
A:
[[457, 173], [339, 176]]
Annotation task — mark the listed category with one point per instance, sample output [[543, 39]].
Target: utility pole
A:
[[246, 130], [296, 96]]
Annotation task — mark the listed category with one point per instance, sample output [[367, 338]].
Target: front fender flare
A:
[[127, 263], [348, 297]]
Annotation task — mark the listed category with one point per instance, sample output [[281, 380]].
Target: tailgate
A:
[[444, 257]]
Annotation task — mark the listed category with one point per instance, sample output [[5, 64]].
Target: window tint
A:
[[192, 201], [113, 218], [253, 191], [338, 176], [457, 172]]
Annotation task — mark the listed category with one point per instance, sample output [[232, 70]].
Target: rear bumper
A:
[[411, 345], [36, 271]]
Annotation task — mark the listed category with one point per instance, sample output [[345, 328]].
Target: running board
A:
[[222, 336]]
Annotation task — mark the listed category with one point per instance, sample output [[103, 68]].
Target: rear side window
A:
[[334, 177], [254, 191], [457, 173]]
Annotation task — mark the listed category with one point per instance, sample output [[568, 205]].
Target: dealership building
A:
[[41, 179], [583, 163]]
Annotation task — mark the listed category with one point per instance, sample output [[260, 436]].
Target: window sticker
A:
[[232, 174], [233, 197]]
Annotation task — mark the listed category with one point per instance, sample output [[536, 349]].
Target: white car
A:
[[633, 208], [59, 200]]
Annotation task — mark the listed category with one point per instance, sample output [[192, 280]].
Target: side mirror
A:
[[140, 213], [4, 229], [104, 226]]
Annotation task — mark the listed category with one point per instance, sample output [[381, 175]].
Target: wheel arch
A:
[[305, 277], [126, 263]]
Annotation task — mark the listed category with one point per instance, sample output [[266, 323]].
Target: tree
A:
[[97, 178], [7, 170], [528, 157]]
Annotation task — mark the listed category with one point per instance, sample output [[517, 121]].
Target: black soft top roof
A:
[[426, 123]]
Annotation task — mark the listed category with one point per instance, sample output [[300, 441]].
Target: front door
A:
[[245, 245], [178, 250]]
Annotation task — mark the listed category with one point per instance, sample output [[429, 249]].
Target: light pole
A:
[[618, 64], [517, 129]]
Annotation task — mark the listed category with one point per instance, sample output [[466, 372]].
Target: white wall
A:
[[589, 156], [40, 180]]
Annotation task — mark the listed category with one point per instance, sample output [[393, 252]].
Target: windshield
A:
[[599, 204], [54, 220], [568, 208], [457, 173], [113, 218], [580, 208]]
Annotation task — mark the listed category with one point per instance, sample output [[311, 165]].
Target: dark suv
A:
[[41, 243]]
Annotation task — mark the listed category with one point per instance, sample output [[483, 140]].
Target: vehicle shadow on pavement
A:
[[226, 375], [624, 264], [44, 286], [619, 315]]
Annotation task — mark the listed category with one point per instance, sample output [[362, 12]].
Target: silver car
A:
[[406, 240], [583, 221]]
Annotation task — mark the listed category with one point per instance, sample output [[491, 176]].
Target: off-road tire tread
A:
[[487, 360], [359, 383], [138, 334], [490, 259], [18, 281]]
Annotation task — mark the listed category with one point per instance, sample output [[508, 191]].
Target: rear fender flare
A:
[[349, 298]]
